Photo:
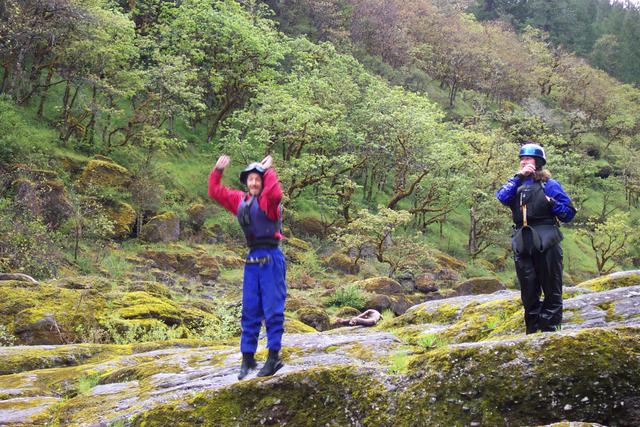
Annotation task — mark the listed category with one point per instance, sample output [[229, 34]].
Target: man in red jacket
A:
[[264, 289]]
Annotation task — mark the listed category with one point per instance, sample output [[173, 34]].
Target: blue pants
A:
[[263, 295]]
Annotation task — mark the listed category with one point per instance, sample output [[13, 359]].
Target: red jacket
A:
[[268, 200]]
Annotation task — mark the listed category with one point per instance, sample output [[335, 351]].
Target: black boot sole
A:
[[275, 369]]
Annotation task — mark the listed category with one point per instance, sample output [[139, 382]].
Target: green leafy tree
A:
[[610, 240]]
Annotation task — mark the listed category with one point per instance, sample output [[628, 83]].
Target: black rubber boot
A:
[[248, 364], [272, 365]]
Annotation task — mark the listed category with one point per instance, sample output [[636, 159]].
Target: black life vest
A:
[[539, 230], [258, 228], [538, 207]]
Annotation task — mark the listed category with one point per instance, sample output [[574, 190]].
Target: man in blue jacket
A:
[[537, 203]]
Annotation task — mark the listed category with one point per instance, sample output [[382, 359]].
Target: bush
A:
[[348, 296], [26, 245]]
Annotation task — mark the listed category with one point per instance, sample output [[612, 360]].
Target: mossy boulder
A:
[[426, 283], [589, 375], [294, 326], [449, 261], [342, 263], [196, 216], [381, 285], [104, 172], [46, 314], [46, 199], [479, 285], [612, 281], [198, 265], [315, 317], [396, 303], [308, 227], [122, 215], [342, 395], [142, 305], [161, 228]]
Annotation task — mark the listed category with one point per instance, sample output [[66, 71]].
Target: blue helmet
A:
[[533, 150], [252, 168]]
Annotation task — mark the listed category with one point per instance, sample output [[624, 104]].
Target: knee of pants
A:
[[275, 320]]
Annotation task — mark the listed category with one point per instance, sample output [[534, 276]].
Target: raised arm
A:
[[271, 191], [561, 204], [228, 198]]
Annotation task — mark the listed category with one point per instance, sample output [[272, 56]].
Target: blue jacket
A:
[[561, 205]]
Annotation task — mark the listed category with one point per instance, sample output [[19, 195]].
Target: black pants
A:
[[541, 272]]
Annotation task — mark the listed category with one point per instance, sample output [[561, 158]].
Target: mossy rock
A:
[[46, 199], [104, 173], [297, 244], [347, 312], [152, 288], [620, 279], [396, 303], [294, 326], [308, 227], [449, 261], [342, 263], [122, 215], [161, 228], [479, 285], [315, 317], [196, 216], [590, 375], [142, 305], [426, 283], [46, 314], [381, 285], [342, 395]]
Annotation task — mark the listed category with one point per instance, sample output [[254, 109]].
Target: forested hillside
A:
[[391, 125], [163, 88]]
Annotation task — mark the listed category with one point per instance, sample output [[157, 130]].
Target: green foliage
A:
[[610, 240], [431, 341], [115, 264], [120, 331], [19, 138], [6, 338], [26, 245], [226, 325], [87, 382], [348, 296], [399, 363]]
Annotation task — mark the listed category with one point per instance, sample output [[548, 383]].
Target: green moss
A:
[[321, 396], [103, 173], [494, 384], [294, 326], [612, 281], [142, 305]]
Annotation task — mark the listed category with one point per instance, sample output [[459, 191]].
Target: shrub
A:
[[348, 296]]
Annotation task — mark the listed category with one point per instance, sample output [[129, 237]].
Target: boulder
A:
[[396, 303], [161, 228], [479, 285], [426, 283], [104, 172], [196, 216], [343, 263], [612, 281], [381, 285], [308, 227], [122, 215], [46, 199], [314, 317]]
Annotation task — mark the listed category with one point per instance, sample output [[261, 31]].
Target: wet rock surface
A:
[[462, 360]]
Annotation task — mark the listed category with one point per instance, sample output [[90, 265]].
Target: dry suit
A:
[[264, 289], [536, 246]]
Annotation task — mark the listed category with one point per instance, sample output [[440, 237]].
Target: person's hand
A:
[[267, 162], [223, 162], [527, 170]]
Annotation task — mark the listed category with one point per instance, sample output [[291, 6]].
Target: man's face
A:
[[254, 182], [526, 160]]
